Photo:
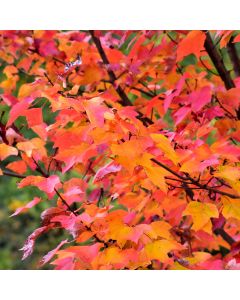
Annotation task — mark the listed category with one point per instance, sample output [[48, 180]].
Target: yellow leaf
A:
[[228, 172], [164, 144], [178, 266], [156, 175], [159, 249], [112, 255], [201, 214], [6, 151], [119, 231], [160, 229], [198, 257], [28, 89], [231, 207]]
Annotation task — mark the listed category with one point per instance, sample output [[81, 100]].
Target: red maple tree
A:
[[133, 138]]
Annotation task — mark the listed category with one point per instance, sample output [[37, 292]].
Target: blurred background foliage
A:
[[14, 231]]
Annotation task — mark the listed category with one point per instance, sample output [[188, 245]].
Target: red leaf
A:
[[34, 116], [191, 44], [19, 166], [18, 109]]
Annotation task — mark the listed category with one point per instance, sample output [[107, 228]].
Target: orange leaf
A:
[[191, 44], [6, 151], [201, 214], [19, 166], [165, 145]]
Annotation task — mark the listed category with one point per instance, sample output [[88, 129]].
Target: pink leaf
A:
[[181, 114], [200, 98], [208, 162], [30, 204], [111, 167], [29, 244], [49, 184], [175, 92], [44, 184], [71, 223], [51, 253]]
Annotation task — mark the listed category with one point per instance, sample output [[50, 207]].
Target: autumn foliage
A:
[[133, 139]]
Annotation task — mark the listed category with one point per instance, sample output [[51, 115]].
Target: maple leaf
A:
[[34, 116], [201, 214], [192, 43], [181, 114], [111, 167], [45, 184], [228, 172], [19, 166], [112, 102], [6, 150], [30, 204], [231, 208], [128, 154], [157, 176], [200, 98], [175, 92], [160, 229], [164, 144], [84, 255], [160, 249], [30, 242], [18, 109], [46, 258], [96, 111], [111, 257]]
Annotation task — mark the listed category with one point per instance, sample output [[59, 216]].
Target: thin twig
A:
[[209, 70], [195, 182], [65, 202], [230, 115], [12, 174]]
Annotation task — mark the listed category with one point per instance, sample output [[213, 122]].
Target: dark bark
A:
[[218, 62], [232, 51]]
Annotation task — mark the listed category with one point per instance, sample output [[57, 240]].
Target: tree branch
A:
[[195, 182], [224, 235], [65, 202], [232, 51], [12, 174], [124, 98], [112, 76], [218, 61]]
